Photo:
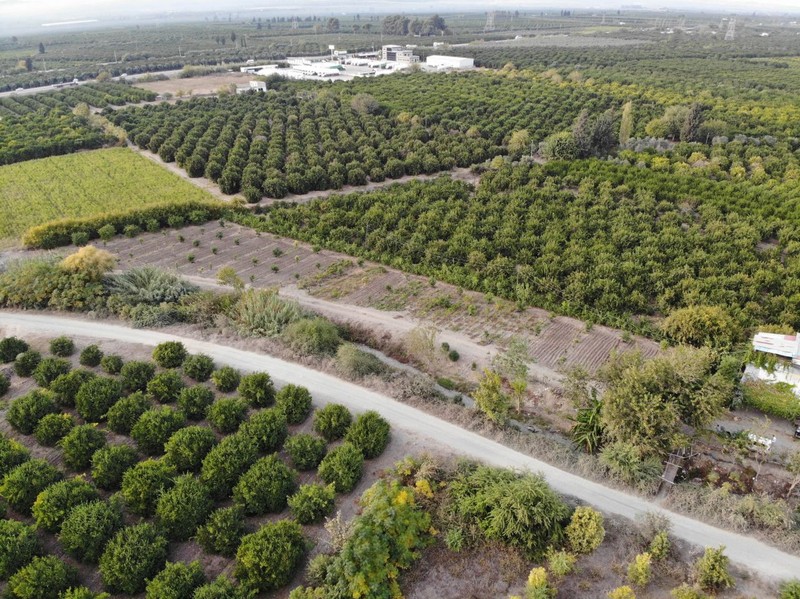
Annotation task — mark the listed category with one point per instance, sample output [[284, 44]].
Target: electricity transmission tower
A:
[[730, 35], [489, 22]]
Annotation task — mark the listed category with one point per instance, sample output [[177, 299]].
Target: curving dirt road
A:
[[767, 561]]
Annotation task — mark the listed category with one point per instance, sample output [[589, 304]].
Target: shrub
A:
[[135, 375], [195, 401], [80, 444], [63, 347], [221, 588], [88, 528], [711, 570], [133, 556], [188, 446], [96, 396], [198, 367], [10, 348], [312, 503], [640, 570], [355, 362], [144, 483], [23, 484], [176, 581], [149, 286], [257, 388], [267, 428], [384, 539], [342, 467], [268, 559], [83, 593], [503, 504], [225, 415], [111, 364], [26, 362], [690, 592], [124, 414], [261, 313], [265, 486], [169, 354], [660, 546], [585, 530], [18, 545], [91, 356], [623, 592], [49, 369], [52, 428], [700, 326], [776, 400], [305, 450], [312, 336], [369, 433], [222, 531], [181, 509], [25, 412], [55, 503], [560, 563], [226, 379], [155, 427], [5, 384], [295, 403], [65, 388], [332, 421], [110, 463], [790, 590], [43, 578], [12, 454], [165, 387], [106, 232], [224, 464]]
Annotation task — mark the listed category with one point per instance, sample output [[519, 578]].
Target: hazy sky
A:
[[16, 13]]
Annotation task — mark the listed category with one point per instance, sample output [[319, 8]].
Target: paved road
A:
[[768, 561]]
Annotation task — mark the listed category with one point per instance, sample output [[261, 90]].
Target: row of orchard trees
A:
[[295, 145], [596, 240]]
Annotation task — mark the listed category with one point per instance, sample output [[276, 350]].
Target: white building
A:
[[786, 346], [395, 53], [255, 86], [450, 62]]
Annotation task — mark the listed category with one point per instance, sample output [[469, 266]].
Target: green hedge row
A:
[[776, 400], [59, 233]]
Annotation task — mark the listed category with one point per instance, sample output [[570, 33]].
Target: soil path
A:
[[748, 552]]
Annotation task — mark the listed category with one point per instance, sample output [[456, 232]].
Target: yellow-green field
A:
[[83, 184]]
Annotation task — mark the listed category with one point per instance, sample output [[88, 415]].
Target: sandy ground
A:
[[768, 561], [208, 84]]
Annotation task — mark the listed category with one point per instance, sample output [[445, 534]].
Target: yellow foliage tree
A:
[[89, 261]]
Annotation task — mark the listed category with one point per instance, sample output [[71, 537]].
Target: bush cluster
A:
[[332, 421], [305, 450], [79, 445], [188, 447], [194, 401], [295, 403], [257, 388], [110, 463], [126, 412], [170, 354], [226, 414]]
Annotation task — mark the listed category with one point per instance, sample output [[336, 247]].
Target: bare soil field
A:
[[196, 86], [396, 302]]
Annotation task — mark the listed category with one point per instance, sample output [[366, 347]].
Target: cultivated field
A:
[[83, 184], [265, 260]]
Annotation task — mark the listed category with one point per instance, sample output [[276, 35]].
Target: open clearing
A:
[[83, 184], [744, 551], [196, 86]]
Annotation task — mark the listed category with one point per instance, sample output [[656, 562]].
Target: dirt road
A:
[[767, 561]]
